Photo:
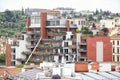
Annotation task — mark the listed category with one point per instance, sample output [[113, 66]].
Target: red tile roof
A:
[[11, 71]]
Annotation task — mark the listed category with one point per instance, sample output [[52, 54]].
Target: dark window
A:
[[71, 22], [56, 50], [113, 50], [14, 50], [65, 44], [117, 58], [22, 37], [78, 22], [67, 58], [13, 57], [117, 42], [113, 58], [64, 37], [13, 63], [61, 50], [117, 50], [113, 42], [66, 50]]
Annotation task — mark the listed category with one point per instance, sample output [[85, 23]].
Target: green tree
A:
[[86, 31]]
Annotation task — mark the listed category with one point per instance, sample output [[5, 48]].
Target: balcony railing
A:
[[32, 39], [30, 46], [83, 43], [33, 32], [82, 50]]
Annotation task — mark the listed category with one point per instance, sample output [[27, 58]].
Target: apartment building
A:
[[79, 22], [14, 49], [110, 23], [50, 31], [115, 39], [51, 38]]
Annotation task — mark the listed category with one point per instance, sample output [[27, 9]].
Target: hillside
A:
[[12, 22]]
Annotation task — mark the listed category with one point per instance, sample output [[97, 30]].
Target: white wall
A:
[[99, 51]]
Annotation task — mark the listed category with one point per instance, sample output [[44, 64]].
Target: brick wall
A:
[[43, 29], [8, 55], [91, 48]]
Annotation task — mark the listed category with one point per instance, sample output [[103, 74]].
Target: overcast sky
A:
[[112, 5]]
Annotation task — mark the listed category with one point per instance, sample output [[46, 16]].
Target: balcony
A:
[[33, 32], [83, 43], [52, 40], [30, 46], [72, 46], [32, 39], [82, 50]]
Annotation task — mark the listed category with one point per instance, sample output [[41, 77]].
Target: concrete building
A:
[[115, 39], [50, 38], [79, 22], [14, 49], [86, 12], [110, 23], [47, 27]]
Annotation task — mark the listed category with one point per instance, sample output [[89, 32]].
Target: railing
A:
[[32, 39], [33, 32], [82, 50]]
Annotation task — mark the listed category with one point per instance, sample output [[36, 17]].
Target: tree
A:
[[86, 31], [90, 17], [106, 31], [2, 58]]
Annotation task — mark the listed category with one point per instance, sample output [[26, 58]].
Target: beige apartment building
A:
[[115, 39]]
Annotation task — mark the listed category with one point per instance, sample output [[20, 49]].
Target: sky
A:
[[111, 5]]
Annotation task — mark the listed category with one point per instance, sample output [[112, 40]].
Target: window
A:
[[113, 50], [113, 58], [66, 50], [13, 57], [35, 19], [117, 42], [71, 22], [61, 50], [13, 63], [78, 22], [117, 58], [14, 50], [117, 50], [113, 42], [64, 37], [65, 44], [56, 50]]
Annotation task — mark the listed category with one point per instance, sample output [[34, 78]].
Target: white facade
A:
[[116, 49], [79, 22], [86, 12], [17, 49], [110, 23]]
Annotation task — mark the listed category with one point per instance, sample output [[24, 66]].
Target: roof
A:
[[11, 71], [30, 74], [115, 36]]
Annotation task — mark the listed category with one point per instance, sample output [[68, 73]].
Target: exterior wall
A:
[[110, 23], [8, 55], [20, 49], [43, 25], [79, 22], [68, 25], [115, 49], [91, 48]]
